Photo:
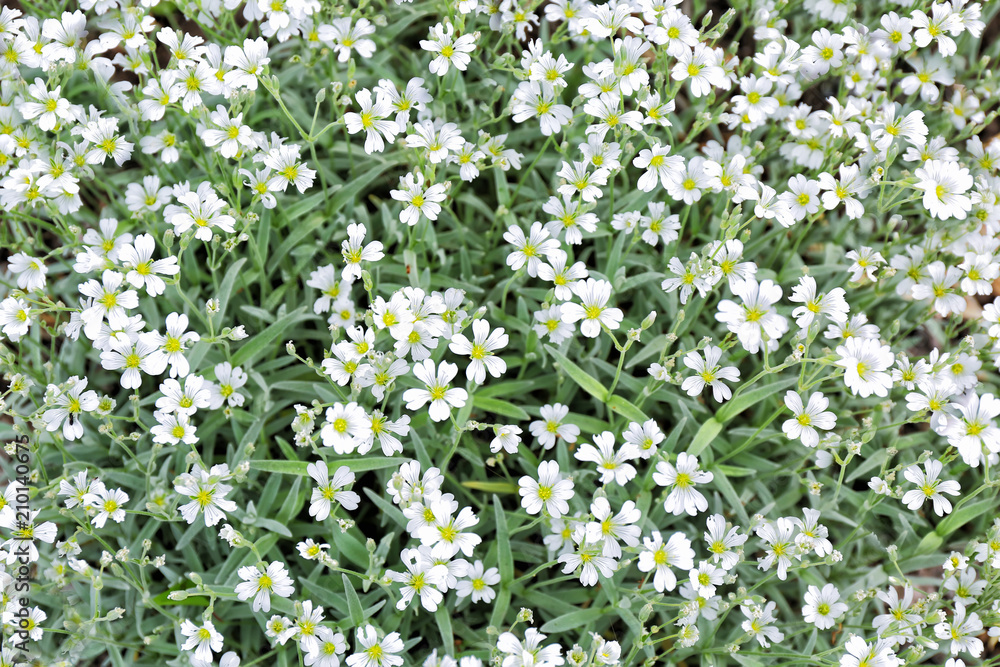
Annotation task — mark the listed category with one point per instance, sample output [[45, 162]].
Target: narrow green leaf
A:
[[228, 282], [354, 608], [295, 213], [503, 408], [355, 465], [725, 487], [587, 382], [443, 618], [575, 620], [705, 435], [259, 343], [504, 554], [388, 508], [273, 526], [626, 409], [734, 471], [965, 514], [491, 487], [753, 397], [500, 607]]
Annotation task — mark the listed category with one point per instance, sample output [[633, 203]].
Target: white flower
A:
[[579, 179], [207, 493], [593, 311], [229, 380], [561, 275], [423, 579], [973, 430], [247, 63], [347, 35], [345, 426], [143, 269], [329, 491], [865, 362], [658, 557], [539, 98], [780, 548], [372, 652], [201, 210], [531, 249], [849, 189], [708, 372], [261, 584], [607, 527], [204, 639], [963, 632], [756, 316], [929, 487], [682, 481], [419, 200], [373, 120], [394, 315], [229, 134], [109, 503], [447, 535], [823, 607], [551, 427], [171, 346], [758, 624], [938, 286], [135, 358], [69, 405], [30, 271], [355, 251], [805, 420], [643, 438], [15, 318], [480, 350], [612, 465], [944, 185], [449, 49], [722, 543], [659, 164], [436, 391], [477, 582], [506, 437], [832, 303], [47, 106], [550, 492]]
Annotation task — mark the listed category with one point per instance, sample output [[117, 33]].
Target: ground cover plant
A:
[[477, 333]]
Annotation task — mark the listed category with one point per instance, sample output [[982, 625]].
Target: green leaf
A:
[[725, 487], [586, 381], [273, 526], [355, 465], [388, 508], [500, 607], [964, 515], [496, 406], [734, 471], [491, 487], [575, 620], [354, 608], [443, 618], [628, 410], [301, 229], [746, 400], [259, 343], [504, 554], [704, 437], [226, 288]]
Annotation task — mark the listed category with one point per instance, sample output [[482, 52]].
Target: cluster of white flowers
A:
[[564, 200]]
